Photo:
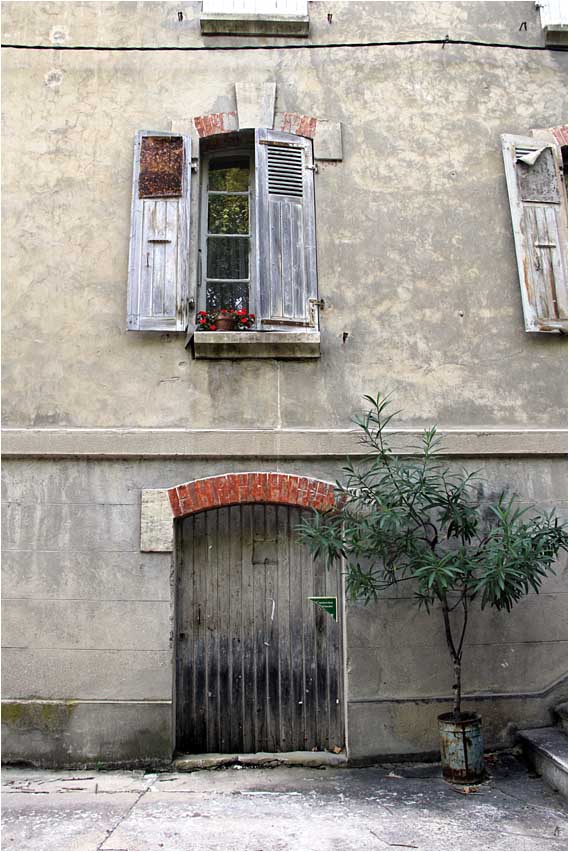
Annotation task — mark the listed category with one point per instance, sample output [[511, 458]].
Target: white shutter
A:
[[159, 236], [553, 15], [255, 7], [285, 230], [539, 220]]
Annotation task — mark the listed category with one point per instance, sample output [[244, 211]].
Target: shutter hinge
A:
[[313, 168]]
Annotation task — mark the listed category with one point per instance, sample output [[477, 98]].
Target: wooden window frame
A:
[[222, 154]]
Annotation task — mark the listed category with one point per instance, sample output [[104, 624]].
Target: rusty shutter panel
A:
[[539, 219], [159, 235], [285, 230]]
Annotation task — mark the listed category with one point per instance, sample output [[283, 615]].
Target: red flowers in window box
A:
[[226, 319]]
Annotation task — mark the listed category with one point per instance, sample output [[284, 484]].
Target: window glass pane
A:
[[228, 214], [229, 175], [228, 257], [220, 296]]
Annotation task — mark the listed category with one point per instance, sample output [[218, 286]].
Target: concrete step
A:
[[314, 759], [560, 713], [546, 750]]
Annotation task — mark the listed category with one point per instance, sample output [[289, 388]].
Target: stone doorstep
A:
[[546, 750], [314, 759]]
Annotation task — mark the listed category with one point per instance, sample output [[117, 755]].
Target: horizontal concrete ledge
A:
[[471, 696], [256, 344], [269, 443]]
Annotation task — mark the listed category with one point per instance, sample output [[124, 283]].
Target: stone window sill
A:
[[250, 24], [256, 344]]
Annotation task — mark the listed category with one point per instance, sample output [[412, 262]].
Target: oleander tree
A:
[[419, 520]]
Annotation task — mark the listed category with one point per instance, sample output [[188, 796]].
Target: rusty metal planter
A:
[[462, 752]]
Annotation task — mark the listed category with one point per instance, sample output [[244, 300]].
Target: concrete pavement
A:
[[295, 808]]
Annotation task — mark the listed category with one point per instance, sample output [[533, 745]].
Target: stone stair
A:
[[545, 749]]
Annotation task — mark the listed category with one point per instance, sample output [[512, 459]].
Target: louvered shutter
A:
[[539, 218], [285, 231], [159, 235]]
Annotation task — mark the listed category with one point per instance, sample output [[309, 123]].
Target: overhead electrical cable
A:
[[325, 46]]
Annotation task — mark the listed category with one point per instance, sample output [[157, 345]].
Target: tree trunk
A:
[[457, 689], [455, 657]]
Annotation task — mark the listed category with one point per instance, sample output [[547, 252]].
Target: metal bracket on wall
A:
[[312, 305]]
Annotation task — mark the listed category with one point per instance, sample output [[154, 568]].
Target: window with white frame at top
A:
[[255, 7], [254, 17], [257, 232], [554, 20]]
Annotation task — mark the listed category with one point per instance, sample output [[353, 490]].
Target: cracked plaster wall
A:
[[415, 248]]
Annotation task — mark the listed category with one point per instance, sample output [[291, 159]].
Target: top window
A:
[[255, 17], [554, 21], [256, 7]]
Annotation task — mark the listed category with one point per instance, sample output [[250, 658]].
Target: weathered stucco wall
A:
[[417, 266], [86, 629], [415, 249]]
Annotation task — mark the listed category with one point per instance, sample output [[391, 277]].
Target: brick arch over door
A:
[[231, 489]]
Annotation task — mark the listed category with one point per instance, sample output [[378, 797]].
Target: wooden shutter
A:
[[159, 235], [285, 231], [539, 218]]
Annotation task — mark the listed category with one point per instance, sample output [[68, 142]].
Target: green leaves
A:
[[422, 522], [323, 535], [418, 519], [516, 555]]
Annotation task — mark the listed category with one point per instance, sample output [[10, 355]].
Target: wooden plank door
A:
[[258, 665]]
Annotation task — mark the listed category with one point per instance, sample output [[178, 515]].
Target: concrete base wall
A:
[[87, 625], [67, 733], [408, 728]]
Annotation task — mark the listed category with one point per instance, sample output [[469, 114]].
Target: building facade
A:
[[381, 186]]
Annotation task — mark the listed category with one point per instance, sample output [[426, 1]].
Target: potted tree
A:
[[422, 521]]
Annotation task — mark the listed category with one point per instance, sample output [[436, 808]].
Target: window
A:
[[226, 222], [554, 21], [257, 232], [538, 205], [255, 17]]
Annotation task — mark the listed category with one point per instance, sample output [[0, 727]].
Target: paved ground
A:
[[235, 808]]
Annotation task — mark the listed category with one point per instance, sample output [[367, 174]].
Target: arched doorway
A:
[[258, 664]]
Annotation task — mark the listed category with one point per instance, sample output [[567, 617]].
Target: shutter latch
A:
[[312, 305]]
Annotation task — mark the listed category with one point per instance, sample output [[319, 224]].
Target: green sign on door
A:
[[329, 604]]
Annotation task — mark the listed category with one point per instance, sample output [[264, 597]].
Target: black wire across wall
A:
[[326, 46]]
